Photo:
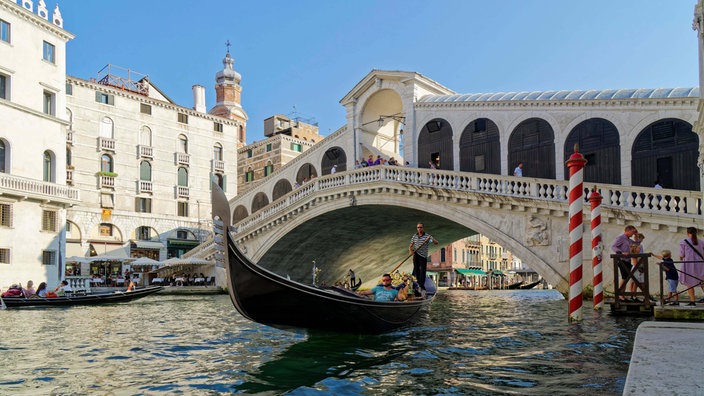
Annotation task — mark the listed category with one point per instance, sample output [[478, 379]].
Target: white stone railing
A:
[[145, 151], [37, 189], [182, 192], [106, 144], [182, 158], [106, 181], [639, 199], [144, 186], [79, 282], [218, 166]]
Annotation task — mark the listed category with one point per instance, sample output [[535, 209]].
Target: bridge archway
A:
[[435, 145], [533, 143], [333, 156], [259, 201], [480, 147], [381, 123], [599, 142], [281, 188], [307, 172], [666, 151], [240, 213]]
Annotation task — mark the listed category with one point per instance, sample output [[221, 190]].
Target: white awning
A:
[[147, 244]]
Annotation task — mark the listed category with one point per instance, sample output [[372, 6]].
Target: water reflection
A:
[[484, 342]]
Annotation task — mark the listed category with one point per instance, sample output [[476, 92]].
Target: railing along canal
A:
[[642, 199]]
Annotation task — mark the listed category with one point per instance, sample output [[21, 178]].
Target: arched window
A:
[[241, 134], [145, 171], [183, 177], [182, 144], [106, 163], [145, 136], [269, 168], [249, 176], [3, 156], [217, 152], [106, 128], [48, 167], [69, 116]]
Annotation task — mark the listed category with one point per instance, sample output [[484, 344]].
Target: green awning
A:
[[497, 273], [464, 271]]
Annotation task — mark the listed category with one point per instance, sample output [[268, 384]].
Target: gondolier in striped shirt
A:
[[419, 249]]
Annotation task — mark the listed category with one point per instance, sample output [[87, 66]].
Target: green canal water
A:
[[483, 343]]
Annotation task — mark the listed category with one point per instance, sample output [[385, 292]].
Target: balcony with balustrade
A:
[[145, 151], [105, 181], [218, 165], [106, 144], [144, 186], [182, 158], [182, 192], [38, 190]]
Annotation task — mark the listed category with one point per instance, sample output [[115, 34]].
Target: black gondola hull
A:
[[268, 298], [89, 299]]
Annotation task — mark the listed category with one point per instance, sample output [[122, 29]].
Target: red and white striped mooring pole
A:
[[597, 248], [576, 164]]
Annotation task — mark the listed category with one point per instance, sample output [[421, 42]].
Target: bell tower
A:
[[228, 94]]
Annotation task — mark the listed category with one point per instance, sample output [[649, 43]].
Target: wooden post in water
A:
[[576, 164], [597, 248]]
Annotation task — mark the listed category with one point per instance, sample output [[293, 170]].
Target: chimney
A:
[[199, 98]]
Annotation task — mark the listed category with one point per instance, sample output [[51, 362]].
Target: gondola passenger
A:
[[386, 292]]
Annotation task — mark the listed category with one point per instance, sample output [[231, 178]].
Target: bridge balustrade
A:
[[643, 199]]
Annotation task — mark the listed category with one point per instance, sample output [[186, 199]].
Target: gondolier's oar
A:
[[410, 255]]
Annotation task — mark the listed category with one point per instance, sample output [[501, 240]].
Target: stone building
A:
[[33, 191], [143, 165], [286, 139]]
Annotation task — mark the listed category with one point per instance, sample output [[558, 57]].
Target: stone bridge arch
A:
[[281, 188], [306, 172], [315, 233]]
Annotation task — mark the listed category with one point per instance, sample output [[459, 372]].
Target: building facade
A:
[[33, 191], [286, 139], [143, 165]]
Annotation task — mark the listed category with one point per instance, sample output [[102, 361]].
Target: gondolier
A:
[[419, 249]]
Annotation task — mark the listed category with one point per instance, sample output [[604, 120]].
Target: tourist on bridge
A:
[[419, 249], [692, 253], [622, 245], [518, 172]]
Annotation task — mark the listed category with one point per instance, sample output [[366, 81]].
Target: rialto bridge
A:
[[363, 218]]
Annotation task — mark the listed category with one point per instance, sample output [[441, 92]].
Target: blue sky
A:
[[309, 54]]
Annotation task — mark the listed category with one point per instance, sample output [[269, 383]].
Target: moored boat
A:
[[530, 285], [86, 299], [268, 298]]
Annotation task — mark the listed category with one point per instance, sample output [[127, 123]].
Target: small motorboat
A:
[[265, 297], [85, 299]]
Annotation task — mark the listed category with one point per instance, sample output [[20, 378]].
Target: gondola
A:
[[515, 285], [270, 299], [88, 299], [529, 285]]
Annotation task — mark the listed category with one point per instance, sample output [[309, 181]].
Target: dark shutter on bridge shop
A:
[[480, 147], [435, 143], [598, 141], [533, 143], [666, 151]]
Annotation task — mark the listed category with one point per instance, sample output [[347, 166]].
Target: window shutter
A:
[[111, 100], [98, 96], [224, 183]]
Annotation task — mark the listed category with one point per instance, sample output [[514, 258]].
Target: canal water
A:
[[468, 342]]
